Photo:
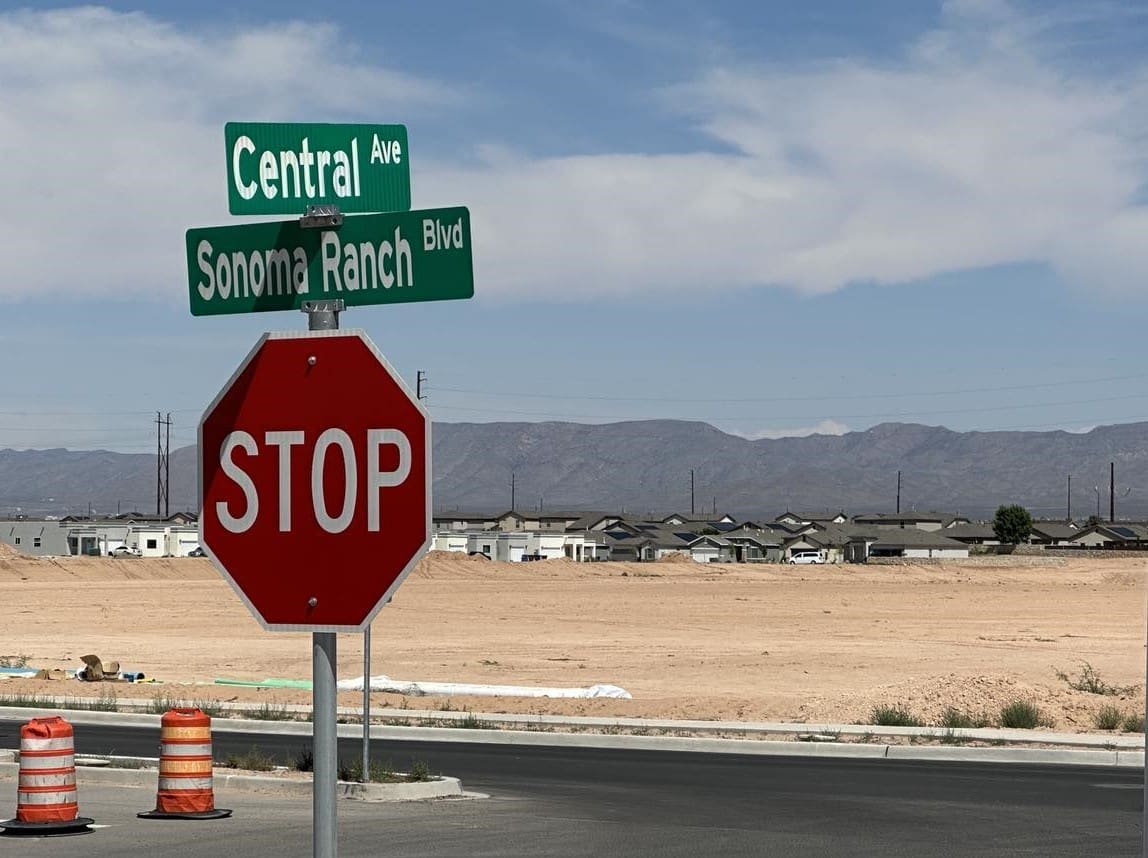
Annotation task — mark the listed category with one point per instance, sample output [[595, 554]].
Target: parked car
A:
[[197, 552], [124, 551], [806, 557]]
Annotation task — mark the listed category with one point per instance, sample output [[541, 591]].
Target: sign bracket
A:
[[323, 315], [321, 216]]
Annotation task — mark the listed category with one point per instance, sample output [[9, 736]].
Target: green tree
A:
[[1012, 524]]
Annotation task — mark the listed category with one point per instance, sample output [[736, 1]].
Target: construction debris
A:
[[95, 670]]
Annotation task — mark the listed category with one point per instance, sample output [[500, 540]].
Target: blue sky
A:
[[774, 217]]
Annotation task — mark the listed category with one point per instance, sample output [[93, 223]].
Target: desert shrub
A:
[[252, 760], [1023, 715], [1089, 680], [956, 719], [1108, 718], [894, 716]]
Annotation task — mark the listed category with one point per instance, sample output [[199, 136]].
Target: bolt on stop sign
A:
[[314, 466]]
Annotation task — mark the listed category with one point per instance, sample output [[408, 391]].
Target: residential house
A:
[[1124, 534], [711, 549], [911, 542], [40, 537], [460, 521], [927, 521], [1052, 533], [801, 519], [972, 534]]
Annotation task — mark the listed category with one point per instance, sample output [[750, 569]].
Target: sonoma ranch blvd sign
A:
[[315, 479], [281, 168], [371, 259]]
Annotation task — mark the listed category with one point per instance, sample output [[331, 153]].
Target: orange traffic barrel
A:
[[46, 793], [185, 760]]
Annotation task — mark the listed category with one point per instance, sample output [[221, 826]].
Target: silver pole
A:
[[325, 840], [324, 316], [367, 704]]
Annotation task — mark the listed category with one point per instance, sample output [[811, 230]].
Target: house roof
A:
[[719, 541], [465, 516], [1054, 529], [970, 531], [589, 519], [898, 517], [913, 538], [830, 534], [699, 519], [819, 515], [621, 539], [761, 537]]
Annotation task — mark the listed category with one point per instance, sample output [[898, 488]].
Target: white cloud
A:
[[825, 427], [112, 130], [973, 148]]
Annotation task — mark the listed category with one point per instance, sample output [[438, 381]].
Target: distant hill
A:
[[644, 466]]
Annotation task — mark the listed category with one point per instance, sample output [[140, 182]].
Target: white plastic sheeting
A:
[[449, 689]]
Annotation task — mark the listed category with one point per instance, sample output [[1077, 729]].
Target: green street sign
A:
[[281, 168], [371, 259]]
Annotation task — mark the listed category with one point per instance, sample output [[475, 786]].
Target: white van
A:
[[806, 557]]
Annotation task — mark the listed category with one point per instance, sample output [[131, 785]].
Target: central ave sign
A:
[[281, 168], [315, 479]]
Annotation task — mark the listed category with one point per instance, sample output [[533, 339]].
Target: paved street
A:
[[575, 802]]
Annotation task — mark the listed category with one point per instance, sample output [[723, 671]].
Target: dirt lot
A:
[[807, 643]]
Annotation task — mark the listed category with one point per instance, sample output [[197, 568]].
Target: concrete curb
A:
[[536, 724], [224, 782], [539, 723], [1072, 749]]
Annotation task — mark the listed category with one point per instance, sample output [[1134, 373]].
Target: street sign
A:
[[281, 168], [370, 259], [314, 467]]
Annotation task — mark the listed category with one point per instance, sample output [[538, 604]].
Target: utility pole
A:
[[1112, 492], [163, 465], [420, 379], [691, 491], [898, 492]]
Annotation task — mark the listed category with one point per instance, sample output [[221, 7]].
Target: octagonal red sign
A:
[[314, 469]]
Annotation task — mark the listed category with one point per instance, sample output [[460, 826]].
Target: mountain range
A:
[[643, 467]]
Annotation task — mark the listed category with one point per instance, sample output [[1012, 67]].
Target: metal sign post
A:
[[324, 316], [325, 842], [367, 704]]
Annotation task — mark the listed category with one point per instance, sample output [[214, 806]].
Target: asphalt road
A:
[[575, 802]]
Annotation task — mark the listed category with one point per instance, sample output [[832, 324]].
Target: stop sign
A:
[[314, 468]]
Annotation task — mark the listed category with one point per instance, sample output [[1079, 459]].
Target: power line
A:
[[984, 409], [831, 398], [163, 464], [94, 413]]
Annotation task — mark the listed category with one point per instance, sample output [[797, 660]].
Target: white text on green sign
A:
[[278, 168], [371, 259]]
